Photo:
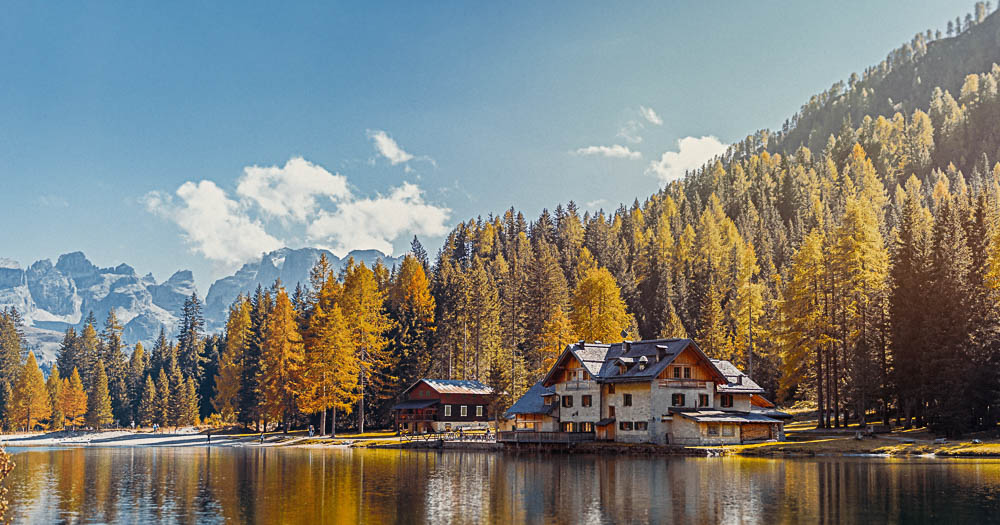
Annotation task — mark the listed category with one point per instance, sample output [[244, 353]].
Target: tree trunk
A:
[[322, 423]]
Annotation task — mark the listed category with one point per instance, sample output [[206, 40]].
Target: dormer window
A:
[[726, 401]]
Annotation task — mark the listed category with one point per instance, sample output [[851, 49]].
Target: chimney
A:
[[626, 346], [661, 352]]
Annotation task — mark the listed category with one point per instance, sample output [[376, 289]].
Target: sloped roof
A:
[[633, 352], [591, 355], [454, 386], [736, 381], [532, 402], [718, 416], [415, 403]]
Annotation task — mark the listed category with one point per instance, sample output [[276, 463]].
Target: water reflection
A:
[[237, 485]]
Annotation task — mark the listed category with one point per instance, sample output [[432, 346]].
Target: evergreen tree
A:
[[189, 339], [99, 400], [54, 387], [146, 411], [250, 392], [161, 407]]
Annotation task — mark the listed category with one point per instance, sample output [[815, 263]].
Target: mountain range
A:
[[54, 297]]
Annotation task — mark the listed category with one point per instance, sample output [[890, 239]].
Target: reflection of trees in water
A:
[[199, 485]]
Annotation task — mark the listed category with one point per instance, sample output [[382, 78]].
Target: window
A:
[[641, 425], [567, 427], [625, 425], [447, 411], [728, 430], [586, 427], [727, 400], [611, 411], [479, 410], [627, 400], [586, 401], [677, 372], [687, 372], [703, 400], [713, 430], [611, 388], [567, 401], [677, 400], [465, 411], [548, 400]]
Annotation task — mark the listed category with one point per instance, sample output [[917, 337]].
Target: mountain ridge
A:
[[53, 297]]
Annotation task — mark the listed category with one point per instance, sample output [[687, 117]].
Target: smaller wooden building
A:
[[441, 405]]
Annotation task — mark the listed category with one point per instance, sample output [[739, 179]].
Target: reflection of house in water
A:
[[664, 391], [437, 405]]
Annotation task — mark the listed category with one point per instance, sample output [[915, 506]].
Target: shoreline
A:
[[821, 446]]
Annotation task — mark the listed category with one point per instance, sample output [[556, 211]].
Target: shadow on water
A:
[[252, 485]]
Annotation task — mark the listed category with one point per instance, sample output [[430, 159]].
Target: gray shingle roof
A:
[[738, 382], [532, 402], [454, 386]]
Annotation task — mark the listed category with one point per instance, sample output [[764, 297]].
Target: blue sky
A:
[[127, 132]]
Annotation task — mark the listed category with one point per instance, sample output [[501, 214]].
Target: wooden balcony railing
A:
[[682, 383], [580, 385]]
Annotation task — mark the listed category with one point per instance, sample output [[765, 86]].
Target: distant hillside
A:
[[903, 82]]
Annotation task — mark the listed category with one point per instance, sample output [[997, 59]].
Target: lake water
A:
[[253, 485]]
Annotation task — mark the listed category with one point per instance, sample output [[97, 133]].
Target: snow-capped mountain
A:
[[52, 298]]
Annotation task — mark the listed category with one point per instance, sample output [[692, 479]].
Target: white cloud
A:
[[388, 148], [212, 223], [291, 191], [630, 131], [615, 151], [595, 203], [650, 115], [306, 200], [373, 222], [691, 153]]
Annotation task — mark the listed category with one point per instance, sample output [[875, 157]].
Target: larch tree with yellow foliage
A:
[[411, 306], [282, 360], [227, 382], [31, 397], [598, 311], [363, 305], [73, 400]]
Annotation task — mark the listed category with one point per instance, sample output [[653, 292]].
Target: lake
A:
[[324, 485]]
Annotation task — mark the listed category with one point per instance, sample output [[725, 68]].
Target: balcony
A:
[[580, 385], [545, 437], [682, 383]]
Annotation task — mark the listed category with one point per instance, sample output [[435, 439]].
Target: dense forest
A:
[[854, 266]]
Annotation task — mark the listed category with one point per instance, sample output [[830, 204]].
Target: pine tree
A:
[[177, 404], [112, 352], [598, 312], [10, 357], [147, 410], [161, 407], [54, 387], [31, 397], [189, 339], [411, 307], [190, 408], [99, 401], [250, 393], [138, 370], [89, 352]]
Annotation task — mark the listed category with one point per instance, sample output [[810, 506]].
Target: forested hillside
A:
[[852, 261]]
